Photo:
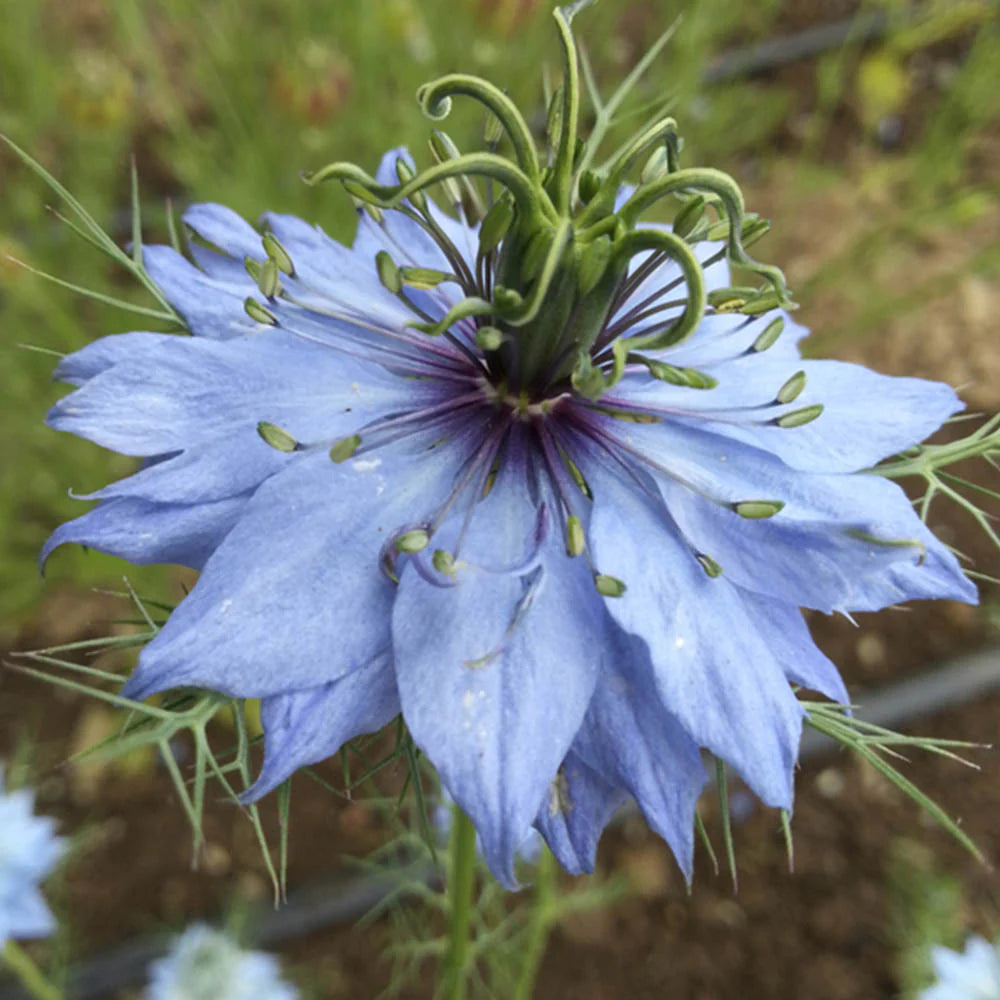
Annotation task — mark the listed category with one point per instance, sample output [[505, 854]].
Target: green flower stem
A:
[[542, 916], [21, 964], [461, 883]]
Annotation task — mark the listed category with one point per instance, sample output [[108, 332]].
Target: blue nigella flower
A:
[[206, 964], [29, 850], [546, 484], [970, 975]]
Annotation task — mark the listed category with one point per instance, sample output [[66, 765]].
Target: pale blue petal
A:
[[97, 357], [835, 546], [187, 390], [305, 727], [787, 635], [212, 470], [579, 806], [210, 307], [711, 663], [147, 533], [295, 596], [496, 672], [866, 416], [222, 227], [630, 738]]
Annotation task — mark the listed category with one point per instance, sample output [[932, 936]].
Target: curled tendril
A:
[[664, 131], [435, 102], [678, 250], [721, 185], [562, 169], [531, 200]]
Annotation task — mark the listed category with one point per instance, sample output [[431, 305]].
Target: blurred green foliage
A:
[[229, 99]]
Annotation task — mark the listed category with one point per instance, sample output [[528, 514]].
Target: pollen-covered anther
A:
[[609, 586], [444, 562], [411, 542], [345, 448], [798, 418], [758, 510]]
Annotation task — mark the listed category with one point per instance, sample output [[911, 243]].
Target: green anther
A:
[[404, 171], [277, 437], [691, 378], [492, 130], [594, 263], [444, 562], [608, 586], [792, 389], [575, 541], [496, 224], [656, 166], [535, 254], [276, 252], [259, 313], [553, 122], [689, 216], [576, 475], [709, 565], [358, 192], [345, 448], [388, 272], [410, 542], [753, 229], [764, 303], [252, 267], [268, 279], [423, 277], [489, 338], [769, 336], [758, 510], [718, 231], [629, 416], [799, 417], [893, 543], [730, 299], [443, 147], [590, 184], [374, 213]]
